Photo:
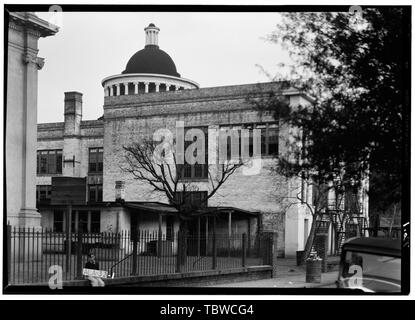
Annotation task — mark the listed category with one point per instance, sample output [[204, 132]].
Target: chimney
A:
[[71, 136], [119, 191], [73, 113]]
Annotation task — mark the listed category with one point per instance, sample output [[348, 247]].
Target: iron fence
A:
[[35, 254]]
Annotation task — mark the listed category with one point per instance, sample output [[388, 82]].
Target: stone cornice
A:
[[147, 77], [32, 23], [58, 139], [61, 138], [92, 124]]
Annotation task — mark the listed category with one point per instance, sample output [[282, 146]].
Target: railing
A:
[[385, 232], [34, 255]]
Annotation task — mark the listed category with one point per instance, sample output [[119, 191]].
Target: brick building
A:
[[148, 95]]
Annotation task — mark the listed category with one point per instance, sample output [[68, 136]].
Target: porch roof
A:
[[224, 210], [153, 207], [158, 207]]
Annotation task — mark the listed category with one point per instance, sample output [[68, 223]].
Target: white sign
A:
[[95, 273]]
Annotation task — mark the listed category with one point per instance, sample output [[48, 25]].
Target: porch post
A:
[[230, 223], [214, 262], [135, 249], [68, 236], [229, 232], [79, 254], [207, 234], [258, 227], [249, 235], [198, 236], [160, 239]]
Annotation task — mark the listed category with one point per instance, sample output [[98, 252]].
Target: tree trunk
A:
[[310, 241], [393, 219], [182, 242]]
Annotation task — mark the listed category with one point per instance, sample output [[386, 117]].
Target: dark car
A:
[[371, 265]]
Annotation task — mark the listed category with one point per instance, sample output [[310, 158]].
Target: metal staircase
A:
[[355, 225]]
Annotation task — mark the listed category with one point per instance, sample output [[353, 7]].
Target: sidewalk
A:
[[289, 275]]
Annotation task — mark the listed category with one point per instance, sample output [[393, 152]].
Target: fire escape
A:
[[348, 221]]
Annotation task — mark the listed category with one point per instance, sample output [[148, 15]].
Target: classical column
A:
[[135, 87], [157, 86], [146, 87], [118, 89], [176, 88], [111, 90], [126, 88], [168, 87], [106, 91], [23, 64]]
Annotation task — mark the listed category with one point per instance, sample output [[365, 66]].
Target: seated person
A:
[[93, 264]]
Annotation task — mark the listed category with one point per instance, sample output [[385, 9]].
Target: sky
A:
[[213, 49]]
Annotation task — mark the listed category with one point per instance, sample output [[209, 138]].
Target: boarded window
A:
[[95, 162], [95, 193], [58, 218], [43, 193], [198, 170], [49, 162]]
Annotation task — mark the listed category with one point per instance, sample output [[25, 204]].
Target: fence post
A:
[[79, 254], [244, 242], [9, 253], [68, 237], [179, 252], [270, 252], [135, 249]]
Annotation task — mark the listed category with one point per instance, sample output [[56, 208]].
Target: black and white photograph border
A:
[[200, 149]]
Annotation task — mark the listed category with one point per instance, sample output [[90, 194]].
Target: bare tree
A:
[[316, 206], [319, 205], [163, 173]]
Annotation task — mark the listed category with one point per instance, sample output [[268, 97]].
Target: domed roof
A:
[[151, 59]]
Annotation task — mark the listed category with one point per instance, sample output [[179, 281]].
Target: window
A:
[[272, 143], [43, 193], [304, 189], [197, 170], [193, 199], [95, 160], [58, 218], [49, 162], [95, 193], [83, 221], [269, 138], [95, 222], [86, 221], [169, 228]]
